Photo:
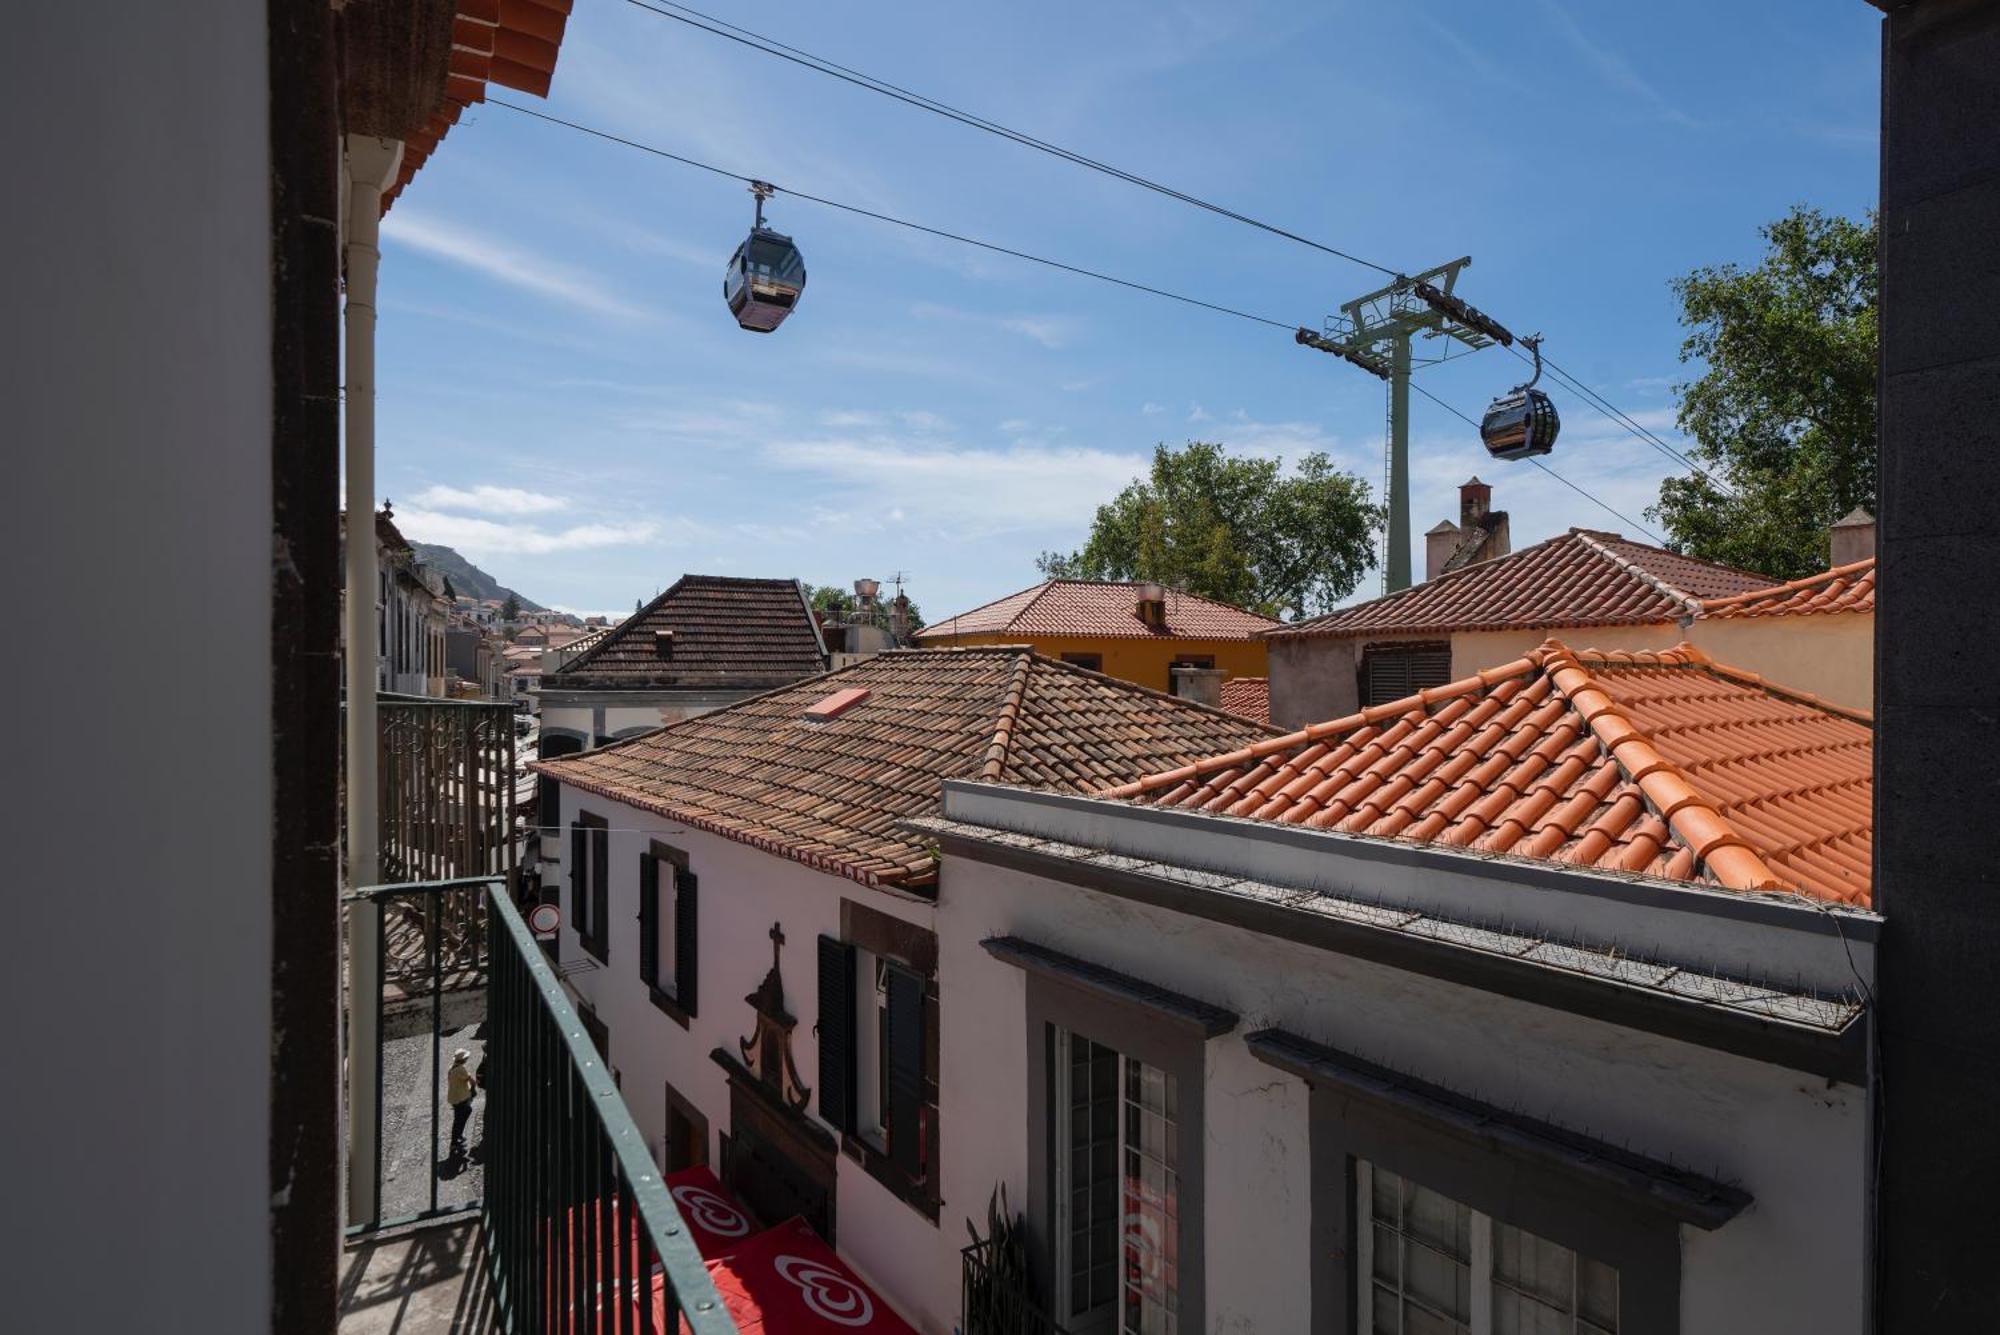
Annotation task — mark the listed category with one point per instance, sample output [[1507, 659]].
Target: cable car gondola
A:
[[1523, 421], [766, 274]]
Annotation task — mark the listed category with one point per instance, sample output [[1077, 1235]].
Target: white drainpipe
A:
[[371, 167]]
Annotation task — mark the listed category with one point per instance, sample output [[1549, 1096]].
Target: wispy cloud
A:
[[486, 537], [1613, 68], [1051, 331], [505, 263], [491, 500]]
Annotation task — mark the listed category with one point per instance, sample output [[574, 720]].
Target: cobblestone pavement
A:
[[411, 1089]]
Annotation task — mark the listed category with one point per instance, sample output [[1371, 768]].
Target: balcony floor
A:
[[429, 1281]]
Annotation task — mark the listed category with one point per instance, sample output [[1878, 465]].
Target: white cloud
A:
[[484, 499], [1151, 409], [486, 537], [1051, 331], [505, 263]]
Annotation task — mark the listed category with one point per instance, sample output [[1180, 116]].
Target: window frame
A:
[[1376, 651], [1089, 662], [590, 884], [665, 875]]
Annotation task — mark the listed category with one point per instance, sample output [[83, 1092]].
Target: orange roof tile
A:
[[830, 791], [1580, 578], [509, 42], [1098, 609], [1249, 697], [1661, 763], [1848, 588]]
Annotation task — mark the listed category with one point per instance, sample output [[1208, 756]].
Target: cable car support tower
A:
[[1376, 333]]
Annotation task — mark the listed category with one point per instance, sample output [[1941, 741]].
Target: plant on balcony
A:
[[997, 1286]]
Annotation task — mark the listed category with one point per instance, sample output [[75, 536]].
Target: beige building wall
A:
[[1830, 655], [1476, 650]]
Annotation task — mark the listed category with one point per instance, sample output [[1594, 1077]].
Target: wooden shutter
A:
[[649, 919], [685, 885], [548, 803], [836, 1032], [1391, 672], [579, 859], [600, 889], [906, 1069]]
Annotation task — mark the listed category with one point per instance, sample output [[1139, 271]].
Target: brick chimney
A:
[[1475, 498], [1853, 538]]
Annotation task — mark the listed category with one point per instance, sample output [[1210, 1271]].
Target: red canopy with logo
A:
[[786, 1281], [715, 1219]]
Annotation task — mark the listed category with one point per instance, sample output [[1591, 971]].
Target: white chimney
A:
[[1853, 538], [1439, 544]]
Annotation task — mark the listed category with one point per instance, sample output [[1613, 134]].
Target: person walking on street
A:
[[459, 1087]]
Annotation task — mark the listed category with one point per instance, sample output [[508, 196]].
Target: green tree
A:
[[1236, 528], [1783, 414], [833, 598]]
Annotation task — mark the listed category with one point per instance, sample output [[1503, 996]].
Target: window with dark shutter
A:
[[685, 887], [600, 892], [579, 869], [649, 919], [836, 1032], [1391, 672], [905, 1059], [548, 803]]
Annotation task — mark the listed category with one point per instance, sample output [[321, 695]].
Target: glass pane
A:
[[1388, 1311], [1597, 1294], [1388, 1203], [1388, 1254], [1151, 1205], [1533, 1265], [1515, 1314], [1440, 1282], [1438, 1220]]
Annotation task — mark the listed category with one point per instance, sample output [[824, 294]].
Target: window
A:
[[878, 1049], [1428, 1263], [590, 883], [1391, 672], [1095, 662], [667, 936], [1117, 1196]]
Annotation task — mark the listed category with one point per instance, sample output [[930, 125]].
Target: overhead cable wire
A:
[[1600, 504], [1286, 325], [708, 23], [1620, 418]]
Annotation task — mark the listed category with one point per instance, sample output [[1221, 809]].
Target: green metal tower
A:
[[1395, 315]]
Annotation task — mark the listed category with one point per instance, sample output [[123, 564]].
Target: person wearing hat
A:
[[458, 1090]]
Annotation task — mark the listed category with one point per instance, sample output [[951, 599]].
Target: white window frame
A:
[[1479, 1262]]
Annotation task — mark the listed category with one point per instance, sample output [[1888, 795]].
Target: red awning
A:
[[715, 1219], [786, 1281]]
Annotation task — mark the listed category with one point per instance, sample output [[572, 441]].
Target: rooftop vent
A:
[[833, 706], [663, 644], [866, 589]]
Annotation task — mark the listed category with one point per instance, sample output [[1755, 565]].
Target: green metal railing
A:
[[581, 1235]]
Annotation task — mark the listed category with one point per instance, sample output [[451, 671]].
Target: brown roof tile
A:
[[1848, 588], [830, 792], [1580, 578], [1248, 697], [728, 634], [1662, 763], [1097, 609]]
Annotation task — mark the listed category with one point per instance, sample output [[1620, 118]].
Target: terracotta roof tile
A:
[[1098, 610], [1664, 763], [830, 792], [1848, 588], [728, 634], [1249, 697], [1580, 578]]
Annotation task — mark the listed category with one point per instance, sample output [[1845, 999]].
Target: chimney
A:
[[1853, 538], [1199, 684], [1439, 544], [663, 644], [1151, 607], [1475, 498]]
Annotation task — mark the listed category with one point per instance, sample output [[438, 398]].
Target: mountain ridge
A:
[[467, 578]]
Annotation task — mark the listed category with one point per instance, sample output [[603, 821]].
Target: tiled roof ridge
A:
[[949, 626], [1723, 606], [612, 635], [1639, 572], [1010, 713], [1708, 834], [1478, 567], [1690, 655]]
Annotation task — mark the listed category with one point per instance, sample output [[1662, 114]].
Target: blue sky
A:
[[565, 399]]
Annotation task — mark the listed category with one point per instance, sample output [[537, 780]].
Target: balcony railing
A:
[[996, 1297], [580, 1232]]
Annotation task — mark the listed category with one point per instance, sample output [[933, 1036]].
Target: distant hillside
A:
[[466, 577]]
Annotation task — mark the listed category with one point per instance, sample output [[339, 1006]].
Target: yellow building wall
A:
[[1142, 662], [1830, 655]]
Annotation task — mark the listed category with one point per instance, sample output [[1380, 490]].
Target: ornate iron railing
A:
[[995, 1299]]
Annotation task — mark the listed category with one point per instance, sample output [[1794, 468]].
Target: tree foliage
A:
[[1784, 411], [833, 598], [1236, 528], [511, 609]]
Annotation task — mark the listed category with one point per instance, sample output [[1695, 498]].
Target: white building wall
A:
[[136, 334], [743, 890], [1794, 1261]]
